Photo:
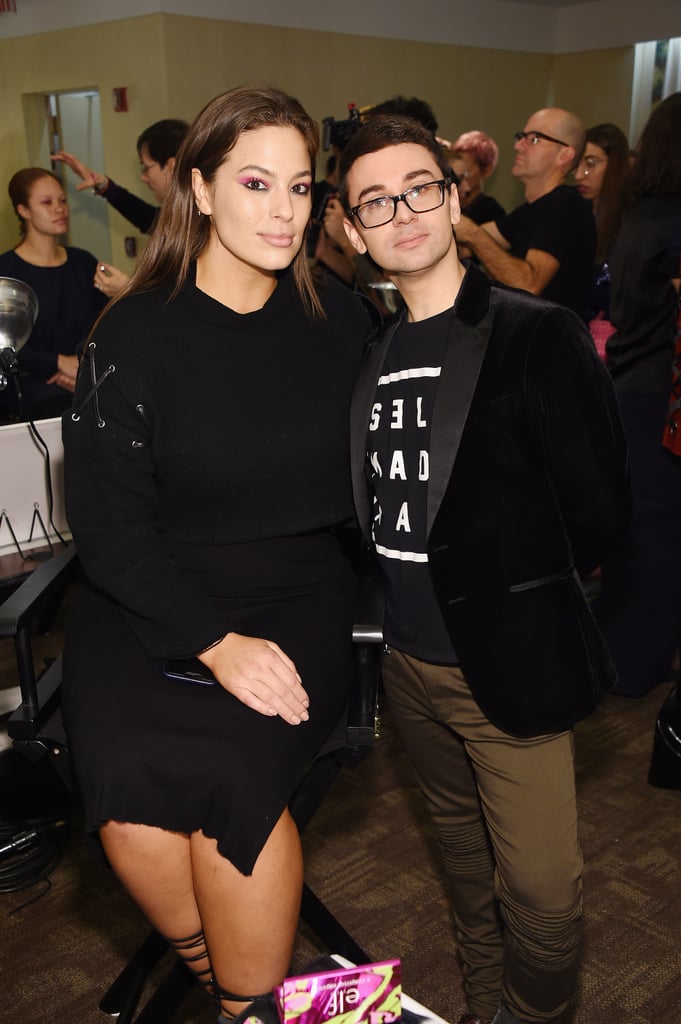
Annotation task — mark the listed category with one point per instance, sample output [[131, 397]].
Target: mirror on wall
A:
[[71, 120]]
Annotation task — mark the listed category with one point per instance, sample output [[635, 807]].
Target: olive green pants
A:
[[505, 813]]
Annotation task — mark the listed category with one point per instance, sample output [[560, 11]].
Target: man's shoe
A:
[[504, 1016]]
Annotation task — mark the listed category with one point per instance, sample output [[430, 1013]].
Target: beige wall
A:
[[127, 53], [597, 85], [173, 64], [467, 87]]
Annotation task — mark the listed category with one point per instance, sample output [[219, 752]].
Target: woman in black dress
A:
[[206, 462]]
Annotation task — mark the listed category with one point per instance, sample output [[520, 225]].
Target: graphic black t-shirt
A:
[[398, 450]]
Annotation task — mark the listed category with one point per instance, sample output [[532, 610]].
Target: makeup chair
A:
[[37, 732]]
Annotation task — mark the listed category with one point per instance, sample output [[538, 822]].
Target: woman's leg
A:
[[155, 866], [187, 889], [250, 921]]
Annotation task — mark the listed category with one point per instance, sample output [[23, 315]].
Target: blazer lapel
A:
[[466, 347]]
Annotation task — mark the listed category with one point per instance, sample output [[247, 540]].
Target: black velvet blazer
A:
[[528, 484]]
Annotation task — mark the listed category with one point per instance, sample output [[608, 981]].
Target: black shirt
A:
[[644, 303], [483, 209], [562, 224], [398, 444]]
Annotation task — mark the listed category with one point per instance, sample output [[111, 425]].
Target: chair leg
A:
[[327, 928], [123, 996], [168, 997]]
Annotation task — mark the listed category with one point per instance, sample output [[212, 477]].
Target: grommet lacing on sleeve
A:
[[139, 408], [92, 395]]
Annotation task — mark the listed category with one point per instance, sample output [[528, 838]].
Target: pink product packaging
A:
[[368, 994]]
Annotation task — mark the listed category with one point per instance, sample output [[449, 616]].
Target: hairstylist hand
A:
[[91, 179], [260, 675], [334, 215], [109, 279]]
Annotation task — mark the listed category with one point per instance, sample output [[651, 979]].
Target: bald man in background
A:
[[547, 244]]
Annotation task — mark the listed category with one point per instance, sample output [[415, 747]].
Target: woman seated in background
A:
[[473, 158], [601, 177], [207, 479], [68, 303]]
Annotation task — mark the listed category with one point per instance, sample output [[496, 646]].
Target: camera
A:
[[337, 133]]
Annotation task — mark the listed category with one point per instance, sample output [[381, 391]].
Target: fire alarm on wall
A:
[[120, 99]]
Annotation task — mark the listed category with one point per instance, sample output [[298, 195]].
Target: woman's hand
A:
[[63, 380], [67, 371], [260, 675]]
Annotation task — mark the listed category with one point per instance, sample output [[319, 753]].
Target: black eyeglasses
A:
[[534, 137], [419, 199]]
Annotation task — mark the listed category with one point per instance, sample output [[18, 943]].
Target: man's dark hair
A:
[[380, 132], [409, 106], [163, 139]]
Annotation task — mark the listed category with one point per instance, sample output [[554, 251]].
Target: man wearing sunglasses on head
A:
[[546, 245]]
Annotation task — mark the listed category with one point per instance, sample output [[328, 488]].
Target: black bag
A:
[[665, 764]]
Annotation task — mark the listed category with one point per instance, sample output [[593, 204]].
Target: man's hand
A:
[[91, 179], [109, 279], [260, 675], [334, 216], [465, 228], [533, 273]]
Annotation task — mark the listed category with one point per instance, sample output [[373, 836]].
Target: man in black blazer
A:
[[490, 472]]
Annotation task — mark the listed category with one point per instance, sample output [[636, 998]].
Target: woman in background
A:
[[639, 608], [207, 479], [473, 158], [62, 279], [601, 177]]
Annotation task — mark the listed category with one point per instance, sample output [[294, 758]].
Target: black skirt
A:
[[188, 757]]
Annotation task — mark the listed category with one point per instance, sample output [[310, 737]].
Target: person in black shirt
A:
[[68, 304], [473, 157], [157, 148], [489, 470], [206, 479], [545, 246], [639, 605]]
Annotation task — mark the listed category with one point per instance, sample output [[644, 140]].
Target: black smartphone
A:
[[189, 670]]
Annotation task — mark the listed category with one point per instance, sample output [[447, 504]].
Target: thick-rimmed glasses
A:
[[532, 138], [419, 199]]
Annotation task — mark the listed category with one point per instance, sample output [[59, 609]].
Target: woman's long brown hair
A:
[[180, 235]]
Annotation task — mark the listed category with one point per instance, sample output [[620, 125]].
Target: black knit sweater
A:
[[211, 427]]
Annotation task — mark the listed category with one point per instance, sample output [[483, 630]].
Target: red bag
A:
[[601, 329]]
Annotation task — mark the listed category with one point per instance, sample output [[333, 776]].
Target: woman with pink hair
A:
[[473, 158]]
